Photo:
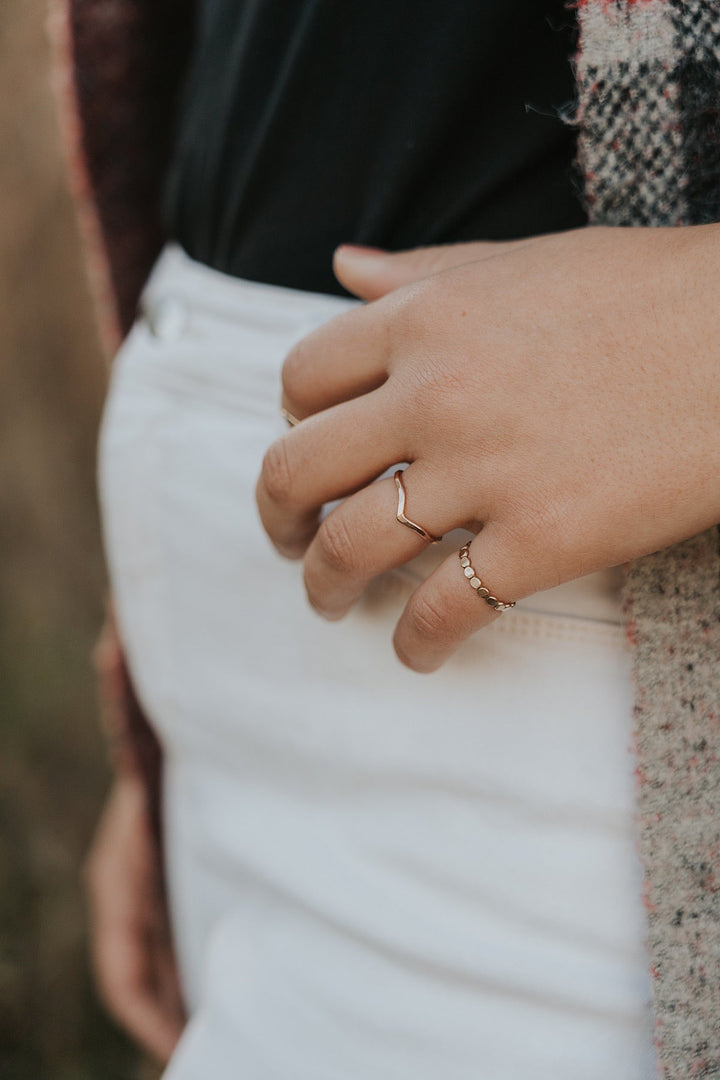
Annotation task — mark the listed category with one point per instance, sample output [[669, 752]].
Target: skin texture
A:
[[558, 397], [131, 945]]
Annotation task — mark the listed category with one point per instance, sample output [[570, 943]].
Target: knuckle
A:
[[277, 474], [408, 316], [534, 536], [436, 392], [538, 525], [433, 376], [438, 382], [336, 545], [429, 621]]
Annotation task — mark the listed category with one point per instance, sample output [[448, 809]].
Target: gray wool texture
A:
[[649, 146]]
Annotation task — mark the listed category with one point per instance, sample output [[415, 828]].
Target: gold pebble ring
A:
[[476, 581]]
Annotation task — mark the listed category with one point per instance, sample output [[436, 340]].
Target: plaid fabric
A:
[[649, 81], [648, 77], [648, 112]]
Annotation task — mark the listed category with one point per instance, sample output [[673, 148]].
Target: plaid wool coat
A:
[[648, 117]]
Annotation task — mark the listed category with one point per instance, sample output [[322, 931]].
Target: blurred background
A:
[[52, 759]]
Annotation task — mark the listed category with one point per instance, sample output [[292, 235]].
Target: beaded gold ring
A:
[[476, 581]]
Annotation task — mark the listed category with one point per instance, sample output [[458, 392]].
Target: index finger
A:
[[340, 360]]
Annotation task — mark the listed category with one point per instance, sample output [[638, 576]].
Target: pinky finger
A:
[[446, 609], [124, 981]]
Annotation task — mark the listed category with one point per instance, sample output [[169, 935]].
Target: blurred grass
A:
[[52, 770]]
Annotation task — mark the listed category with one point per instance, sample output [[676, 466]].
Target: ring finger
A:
[[449, 606]]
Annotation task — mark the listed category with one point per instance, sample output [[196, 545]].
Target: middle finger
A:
[[362, 538]]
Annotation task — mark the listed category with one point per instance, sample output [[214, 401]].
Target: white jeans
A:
[[374, 875]]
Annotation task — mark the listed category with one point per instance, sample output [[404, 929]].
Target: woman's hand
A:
[[132, 948], [559, 396]]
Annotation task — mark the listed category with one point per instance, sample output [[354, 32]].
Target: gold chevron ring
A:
[[290, 420], [400, 515]]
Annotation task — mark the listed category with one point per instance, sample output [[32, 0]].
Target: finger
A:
[[371, 273], [362, 537], [326, 457], [344, 358], [350, 355], [167, 981], [125, 982], [445, 610]]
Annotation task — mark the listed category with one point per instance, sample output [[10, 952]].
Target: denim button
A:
[[166, 317]]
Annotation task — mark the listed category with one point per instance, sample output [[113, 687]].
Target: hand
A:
[[109, 664], [558, 396], [132, 949]]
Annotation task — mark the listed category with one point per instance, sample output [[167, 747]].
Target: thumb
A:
[[371, 272]]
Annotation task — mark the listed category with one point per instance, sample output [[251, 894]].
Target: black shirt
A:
[[307, 123]]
